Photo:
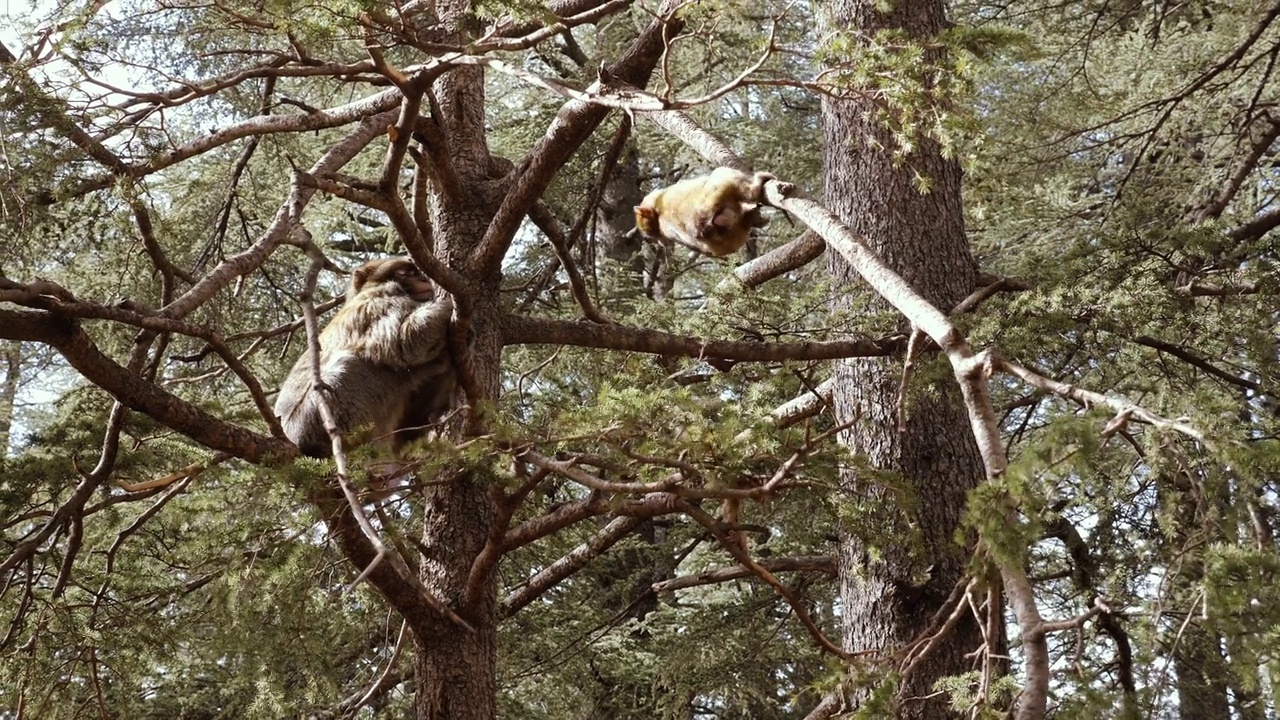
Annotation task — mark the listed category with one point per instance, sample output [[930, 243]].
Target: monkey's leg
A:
[[726, 216]]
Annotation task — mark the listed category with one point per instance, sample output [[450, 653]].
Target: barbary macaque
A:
[[384, 360], [712, 214]]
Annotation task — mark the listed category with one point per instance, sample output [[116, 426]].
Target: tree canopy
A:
[[646, 502]]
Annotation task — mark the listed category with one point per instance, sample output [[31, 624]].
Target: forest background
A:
[[984, 425]]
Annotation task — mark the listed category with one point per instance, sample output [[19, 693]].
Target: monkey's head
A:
[[647, 221], [392, 275], [647, 214]]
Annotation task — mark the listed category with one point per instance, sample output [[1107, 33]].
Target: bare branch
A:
[[562, 517], [1197, 361], [261, 125], [1259, 148], [551, 228], [578, 558], [498, 39], [1089, 398], [673, 484], [816, 563], [286, 221], [805, 406], [522, 330], [1199, 289], [38, 295], [740, 554], [977, 297], [779, 261], [1257, 227], [495, 545], [606, 94], [831, 704]]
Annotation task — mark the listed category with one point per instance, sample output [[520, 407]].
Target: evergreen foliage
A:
[[1120, 160]]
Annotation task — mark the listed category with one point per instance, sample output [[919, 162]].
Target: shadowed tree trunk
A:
[[1202, 675], [1198, 663], [617, 214], [889, 589]]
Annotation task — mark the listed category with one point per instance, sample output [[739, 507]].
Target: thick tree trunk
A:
[[890, 589], [1198, 662], [1202, 675], [455, 670]]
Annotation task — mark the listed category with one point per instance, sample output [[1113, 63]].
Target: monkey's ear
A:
[[359, 277], [647, 220]]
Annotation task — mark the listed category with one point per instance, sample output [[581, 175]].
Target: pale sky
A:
[[13, 10]]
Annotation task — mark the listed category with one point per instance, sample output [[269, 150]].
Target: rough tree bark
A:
[[888, 591]]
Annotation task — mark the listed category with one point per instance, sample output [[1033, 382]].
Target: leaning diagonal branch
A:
[[555, 233], [630, 517], [71, 341], [498, 40], [258, 125], [495, 545], [792, 256], [1087, 398], [574, 123], [740, 554], [64, 306], [608, 96], [971, 372], [285, 221]]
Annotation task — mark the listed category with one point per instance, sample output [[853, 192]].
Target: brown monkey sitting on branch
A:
[[384, 360], [712, 214]]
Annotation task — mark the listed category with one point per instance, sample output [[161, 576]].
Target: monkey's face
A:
[[415, 284]]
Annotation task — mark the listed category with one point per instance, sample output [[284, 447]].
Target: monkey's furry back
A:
[[386, 364]]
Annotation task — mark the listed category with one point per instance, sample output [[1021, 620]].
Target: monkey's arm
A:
[[424, 334]]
